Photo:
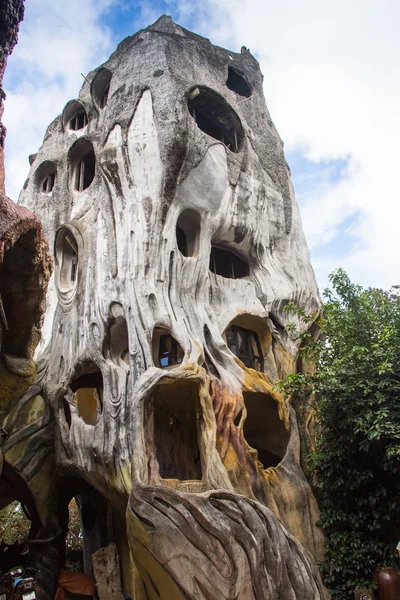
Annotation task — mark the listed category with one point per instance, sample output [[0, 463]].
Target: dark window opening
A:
[[67, 258], [245, 344], [263, 429], [104, 97], [215, 117], [84, 172], [100, 87], [78, 121], [228, 264], [188, 232], [45, 176], [48, 183], [88, 390], [181, 241], [237, 82], [118, 341], [74, 116], [169, 351], [176, 414]]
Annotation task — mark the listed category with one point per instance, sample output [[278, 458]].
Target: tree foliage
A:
[[356, 461], [15, 526]]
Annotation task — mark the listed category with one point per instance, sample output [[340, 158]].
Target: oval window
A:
[[74, 116], [215, 117], [46, 177], [82, 165], [100, 87], [66, 260], [188, 232]]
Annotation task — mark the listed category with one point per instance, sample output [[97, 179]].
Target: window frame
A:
[[173, 356], [48, 183], [228, 251], [251, 336], [74, 121]]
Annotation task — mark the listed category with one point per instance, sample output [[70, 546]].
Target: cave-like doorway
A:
[[176, 409], [263, 429]]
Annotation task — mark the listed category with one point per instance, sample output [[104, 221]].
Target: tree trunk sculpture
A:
[[177, 240]]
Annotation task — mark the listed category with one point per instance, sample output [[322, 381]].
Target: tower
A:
[[177, 240]]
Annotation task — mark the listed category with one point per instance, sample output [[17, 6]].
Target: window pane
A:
[[244, 342], [170, 352], [227, 264], [231, 340]]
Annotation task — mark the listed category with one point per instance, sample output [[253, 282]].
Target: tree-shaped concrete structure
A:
[[177, 240]]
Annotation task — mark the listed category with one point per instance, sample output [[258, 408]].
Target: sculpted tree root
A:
[[216, 546]]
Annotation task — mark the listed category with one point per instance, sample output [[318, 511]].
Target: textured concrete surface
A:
[[120, 279]]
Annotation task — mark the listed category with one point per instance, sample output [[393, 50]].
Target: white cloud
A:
[[331, 84], [332, 88], [57, 42]]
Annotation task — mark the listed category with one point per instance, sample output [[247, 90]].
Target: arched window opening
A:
[[45, 177], [88, 390], [79, 121], [263, 429], [237, 82], [84, 172], [74, 116], [245, 344], [188, 232], [167, 352], [100, 87], [181, 240], [228, 264], [177, 413], [82, 165], [48, 183], [215, 117], [67, 259], [104, 98], [118, 341]]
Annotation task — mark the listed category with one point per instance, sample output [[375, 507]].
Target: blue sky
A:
[[331, 85]]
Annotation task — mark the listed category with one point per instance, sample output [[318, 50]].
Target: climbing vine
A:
[[355, 462]]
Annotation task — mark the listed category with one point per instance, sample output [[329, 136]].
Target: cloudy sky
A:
[[331, 82]]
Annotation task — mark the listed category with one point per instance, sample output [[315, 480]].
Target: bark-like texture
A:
[[177, 144], [27, 465], [27, 470], [107, 573], [225, 547]]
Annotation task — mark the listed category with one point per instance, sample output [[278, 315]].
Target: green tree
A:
[[15, 526], [356, 464]]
